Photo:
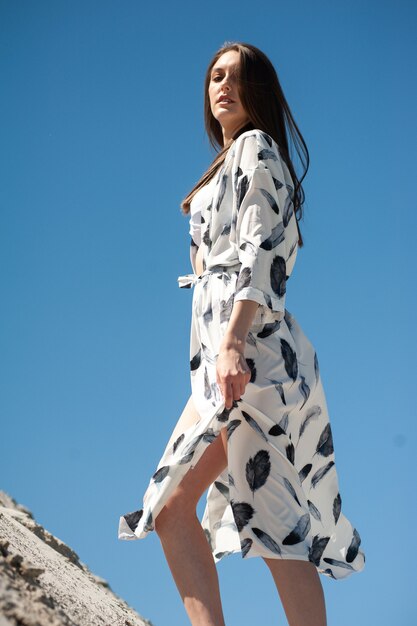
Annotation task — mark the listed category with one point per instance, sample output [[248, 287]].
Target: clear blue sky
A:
[[101, 137]]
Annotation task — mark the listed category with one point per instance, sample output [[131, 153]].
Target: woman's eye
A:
[[217, 78]]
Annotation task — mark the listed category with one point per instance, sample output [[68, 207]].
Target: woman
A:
[[255, 430]]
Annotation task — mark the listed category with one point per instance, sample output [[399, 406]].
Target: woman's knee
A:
[[177, 509], [182, 504]]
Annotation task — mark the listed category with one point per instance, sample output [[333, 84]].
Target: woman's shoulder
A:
[[254, 146], [255, 135]]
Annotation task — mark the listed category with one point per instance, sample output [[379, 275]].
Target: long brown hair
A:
[[263, 99]]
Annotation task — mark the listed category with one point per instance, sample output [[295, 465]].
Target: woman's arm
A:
[[263, 208], [233, 373], [240, 321]]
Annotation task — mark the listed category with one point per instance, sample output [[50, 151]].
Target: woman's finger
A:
[[227, 392], [236, 391]]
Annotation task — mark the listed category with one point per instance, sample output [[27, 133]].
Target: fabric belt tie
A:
[[189, 280]]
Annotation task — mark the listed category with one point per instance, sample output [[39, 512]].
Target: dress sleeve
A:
[[261, 203]]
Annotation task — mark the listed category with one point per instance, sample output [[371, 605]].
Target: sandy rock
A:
[[44, 583]]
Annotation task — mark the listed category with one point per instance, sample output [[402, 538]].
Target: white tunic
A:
[[278, 497]]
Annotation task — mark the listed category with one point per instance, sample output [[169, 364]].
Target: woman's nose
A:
[[226, 83]]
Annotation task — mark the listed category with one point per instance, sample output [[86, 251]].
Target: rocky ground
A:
[[44, 583]]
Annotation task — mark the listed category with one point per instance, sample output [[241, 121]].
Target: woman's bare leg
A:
[[299, 587], [188, 417], [182, 537]]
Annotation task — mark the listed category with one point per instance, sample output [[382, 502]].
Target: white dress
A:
[[278, 497]]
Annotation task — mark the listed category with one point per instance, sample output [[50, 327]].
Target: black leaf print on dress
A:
[[215, 389], [314, 511], [300, 531], [288, 211], [226, 229], [290, 451], [321, 473], [265, 154], [242, 512], [177, 442], [258, 469], [222, 488], [292, 249], [267, 540], [274, 206], [208, 537], [353, 549], [244, 279], [207, 354], [304, 472], [220, 555], [148, 524], [313, 412], [160, 474], [278, 184], [274, 239], [291, 490], [238, 173], [254, 424], [316, 367], [231, 479], [325, 443], [337, 563], [288, 319], [276, 430], [246, 546], [290, 359], [269, 329], [284, 422], [224, 415], [209, 435], [226, 309], [186, 459], [250, 339], [242, 189], [206, 238], [195, 361], [251, 365], [337, 507], [222, 191], [278, 276], [317, 548], [267, 138], [279, 387], [248, 246], [133, 519], [231, 427], [304, 390], [208, 314], [268, 300], [207, 386], [190, 448]]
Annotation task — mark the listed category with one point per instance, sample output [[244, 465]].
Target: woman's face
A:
[[225, 103]]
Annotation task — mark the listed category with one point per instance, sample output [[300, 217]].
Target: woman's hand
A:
[[232, 372]]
